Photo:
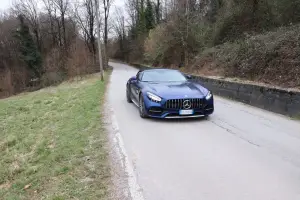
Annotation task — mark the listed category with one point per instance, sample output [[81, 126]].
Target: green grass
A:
[[53, 144]]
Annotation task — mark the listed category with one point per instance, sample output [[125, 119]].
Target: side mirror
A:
[[188, 76], [133, 79]]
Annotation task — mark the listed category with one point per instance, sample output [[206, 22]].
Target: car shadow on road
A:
[[183, 120]]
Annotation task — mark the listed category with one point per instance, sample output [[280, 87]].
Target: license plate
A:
[[186, 112]]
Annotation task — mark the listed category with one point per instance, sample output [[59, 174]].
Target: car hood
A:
[[185, 89]]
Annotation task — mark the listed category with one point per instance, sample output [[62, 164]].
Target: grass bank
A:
[[53, 144], [271, 58]]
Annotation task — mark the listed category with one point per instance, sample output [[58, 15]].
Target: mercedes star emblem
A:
[[187, 104]]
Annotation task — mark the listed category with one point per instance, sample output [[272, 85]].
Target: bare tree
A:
[[106, 6], [119, 22], [132, 11], [29, 9], [62, 6], [99, 39], [158, 11], [119, 29], [85, 17], [51, 11]]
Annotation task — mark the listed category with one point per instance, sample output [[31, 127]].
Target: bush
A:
[[239, 17], [165, 43], [162, 45], [271, 58], [286, 11], [51, 78]]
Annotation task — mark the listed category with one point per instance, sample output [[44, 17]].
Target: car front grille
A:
[[180, 103]]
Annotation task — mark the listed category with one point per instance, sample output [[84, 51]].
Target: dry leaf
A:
[[27, 186]]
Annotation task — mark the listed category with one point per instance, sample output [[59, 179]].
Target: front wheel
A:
[[128, 96], [142, 107]]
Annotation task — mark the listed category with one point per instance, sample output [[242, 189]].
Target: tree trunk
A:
[[94, 50], [255, 8], [37, 37], [158, 12], [52, 30], [105, 29], [105, 40], [106, 14], [92, 37], [59, 32], [186, 57], [64, 29]]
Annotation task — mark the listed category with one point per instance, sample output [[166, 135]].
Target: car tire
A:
[[128, 96], [142, 108]]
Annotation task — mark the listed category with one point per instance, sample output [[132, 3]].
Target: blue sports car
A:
[[166, 93]]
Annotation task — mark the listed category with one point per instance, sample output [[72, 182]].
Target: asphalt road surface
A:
[[239, 153]]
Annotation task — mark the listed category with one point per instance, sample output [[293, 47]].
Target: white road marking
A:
[[134, 188]]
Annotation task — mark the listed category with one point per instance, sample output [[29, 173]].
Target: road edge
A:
[[125, 183]]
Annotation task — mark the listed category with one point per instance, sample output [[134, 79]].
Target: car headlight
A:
[[154, 97], [208, 96]]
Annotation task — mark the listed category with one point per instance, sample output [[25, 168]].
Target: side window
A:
[[139, 76]]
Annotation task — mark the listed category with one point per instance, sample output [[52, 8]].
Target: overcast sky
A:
[[119, 2], [4, 4]]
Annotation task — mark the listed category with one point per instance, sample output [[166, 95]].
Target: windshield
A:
[[162, 76]]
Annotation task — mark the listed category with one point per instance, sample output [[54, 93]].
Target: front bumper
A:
[[158, 110]]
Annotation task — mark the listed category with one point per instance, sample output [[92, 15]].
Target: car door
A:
[[135, 87]]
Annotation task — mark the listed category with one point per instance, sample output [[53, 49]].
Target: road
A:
[[239, 153]]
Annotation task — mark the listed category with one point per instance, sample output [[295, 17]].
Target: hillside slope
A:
[[272, 58]]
